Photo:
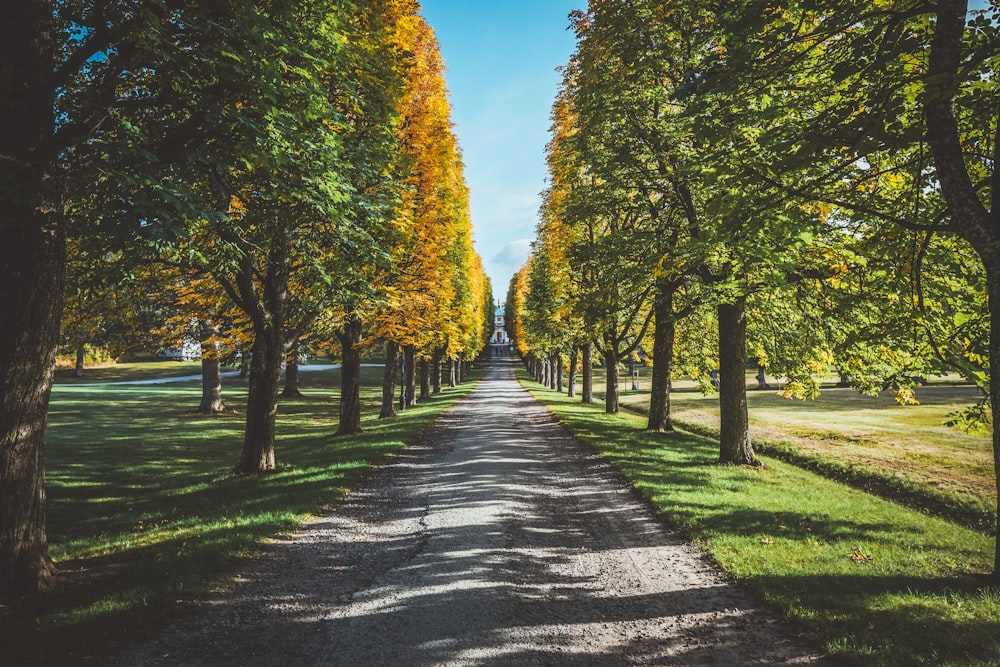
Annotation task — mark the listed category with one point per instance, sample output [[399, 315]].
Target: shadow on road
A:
[[497, 540]]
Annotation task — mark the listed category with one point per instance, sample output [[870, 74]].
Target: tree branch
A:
[[944, 62]]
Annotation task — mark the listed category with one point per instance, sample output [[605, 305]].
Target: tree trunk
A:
[[571, 381], [734, 432], [350, 376], [81, 355], [425, 379], [262, 400], [389, 380], [452, 373], [436, 370], [410, 376], [611, 386], [402, 380], [291, 389], [970, 217], [762, 378], [993, 287], [267, 306], [587, 361], [211, 382], [663, 353], [32, 267], [546, 368], [557, 371]]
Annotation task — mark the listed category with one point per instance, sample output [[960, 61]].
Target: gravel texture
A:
[[497, 540]]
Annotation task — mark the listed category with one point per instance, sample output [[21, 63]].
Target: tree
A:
[[514, 310], [376, 167], [631, 60], [60, 85], [896, 103], [199, 310], [953, 98], [556, 237], [32, 266], [600, 203], [271, 191], [425, 294]]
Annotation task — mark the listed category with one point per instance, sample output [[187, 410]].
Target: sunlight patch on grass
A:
[[903, 453], [876, 582], [145, 512]]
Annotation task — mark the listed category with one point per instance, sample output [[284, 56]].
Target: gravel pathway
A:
[[495, 541]]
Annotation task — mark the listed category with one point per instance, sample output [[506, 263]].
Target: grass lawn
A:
[[145, 517], [900, 452], [875, 582], [130, 371]]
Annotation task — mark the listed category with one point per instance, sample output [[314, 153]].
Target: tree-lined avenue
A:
[[496, 540]]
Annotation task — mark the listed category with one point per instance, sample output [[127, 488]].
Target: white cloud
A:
[[501, 266], [515, 252]]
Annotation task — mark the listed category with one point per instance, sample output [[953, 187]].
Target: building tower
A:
[[499, 341]]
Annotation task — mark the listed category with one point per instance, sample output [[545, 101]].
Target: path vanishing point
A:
[[497, 540]]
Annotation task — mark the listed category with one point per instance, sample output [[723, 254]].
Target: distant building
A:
[[499, 341], [190, 350]]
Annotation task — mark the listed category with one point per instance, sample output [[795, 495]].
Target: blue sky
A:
[[501, 59]]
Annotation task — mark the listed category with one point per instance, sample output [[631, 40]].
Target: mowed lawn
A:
[[145, 516], [902, 451], [874, 581]]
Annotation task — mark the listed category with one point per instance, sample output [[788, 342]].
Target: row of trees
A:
[[257, 175], [812, 182]]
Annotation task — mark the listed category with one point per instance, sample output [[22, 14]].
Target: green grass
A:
[[903, 453], [145, 517], [875, 582], [125, 372]]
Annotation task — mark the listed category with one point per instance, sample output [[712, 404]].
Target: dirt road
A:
[[496, 541]]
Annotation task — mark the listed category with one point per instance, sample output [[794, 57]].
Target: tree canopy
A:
[[270, 174], [821, 175]]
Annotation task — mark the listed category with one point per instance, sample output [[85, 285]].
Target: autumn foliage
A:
[[252, 179]]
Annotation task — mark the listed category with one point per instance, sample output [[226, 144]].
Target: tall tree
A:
[[599, 190], [427, 288], [63, 86], [895, 103], [32, 266], [358, 269]]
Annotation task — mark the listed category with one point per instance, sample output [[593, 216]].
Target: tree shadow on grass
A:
[[904, 620], [714, 503], [144, 512]]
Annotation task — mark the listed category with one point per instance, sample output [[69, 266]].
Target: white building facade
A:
[[499, 341]]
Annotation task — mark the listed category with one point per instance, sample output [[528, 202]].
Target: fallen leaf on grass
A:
[[859, 556]]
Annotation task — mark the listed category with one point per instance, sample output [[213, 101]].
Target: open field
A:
[[901, 451], [145, 516], [129, 372], [878, 583]]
